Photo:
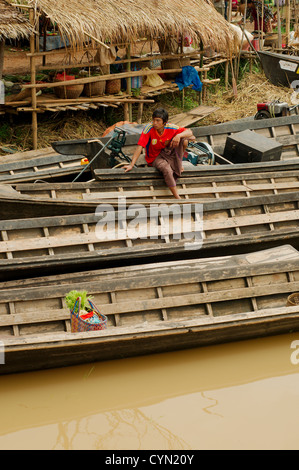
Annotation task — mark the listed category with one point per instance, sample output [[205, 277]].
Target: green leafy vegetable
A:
[[72, 296]]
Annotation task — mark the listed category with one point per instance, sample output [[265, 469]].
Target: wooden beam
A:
[[93, 100], [96, 40], [108, 77], [33, 81]]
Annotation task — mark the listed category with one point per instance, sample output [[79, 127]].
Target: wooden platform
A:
[[188, 118]]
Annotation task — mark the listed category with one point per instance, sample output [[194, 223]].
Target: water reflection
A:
[[239, 395]]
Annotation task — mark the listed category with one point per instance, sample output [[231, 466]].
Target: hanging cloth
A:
[[188, 76]]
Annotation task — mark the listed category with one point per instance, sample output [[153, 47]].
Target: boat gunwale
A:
[[208, 206], [168, 326], [168, 277]]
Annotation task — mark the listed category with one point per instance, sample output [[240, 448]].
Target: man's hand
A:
[[175, 141], [128, 168]]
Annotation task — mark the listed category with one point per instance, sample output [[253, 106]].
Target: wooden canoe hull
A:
[[63, 352], [53, 199], [74, 242], [150, 308], [48, 165], [280, 69]]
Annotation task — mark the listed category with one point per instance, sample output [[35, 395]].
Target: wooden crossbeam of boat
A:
[[152, 308]]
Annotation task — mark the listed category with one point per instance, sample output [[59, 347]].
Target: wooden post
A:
[[243, 29], [200, 74], [226, 74], [288, 20], [262, 28], [1, 57], [279, 25], [129, 88], [229, 15], [140, 112], [126, 112], [33, 81]]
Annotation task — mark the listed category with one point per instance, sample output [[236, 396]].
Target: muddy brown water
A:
[[241, 395]]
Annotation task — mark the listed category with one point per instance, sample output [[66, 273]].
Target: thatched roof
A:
[[127, 20], [13, 24]]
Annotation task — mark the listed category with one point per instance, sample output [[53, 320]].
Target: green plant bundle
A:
[[72, 296]]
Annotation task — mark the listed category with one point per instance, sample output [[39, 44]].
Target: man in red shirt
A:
[[164, 145]]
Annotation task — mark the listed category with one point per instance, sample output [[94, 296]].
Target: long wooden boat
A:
[[49, 199], [151, 308], [280, 69], [283, 129], [47, 165], [50, 166], [131, 234]]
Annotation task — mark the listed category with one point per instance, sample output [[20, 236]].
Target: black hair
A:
[[160, 113]]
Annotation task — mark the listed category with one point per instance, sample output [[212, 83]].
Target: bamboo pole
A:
[[262, 27], [129, 87], [33, 81], [140, 112], [80, 100], [242, 40], [230, 7], [288, 21], [96, 78], [279, 25], [2, 43], [96, 40], [122, 61]]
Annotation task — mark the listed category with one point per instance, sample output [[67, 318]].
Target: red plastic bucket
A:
[[256, 44]]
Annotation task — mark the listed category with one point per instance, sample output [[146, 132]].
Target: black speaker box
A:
[[248, 146]]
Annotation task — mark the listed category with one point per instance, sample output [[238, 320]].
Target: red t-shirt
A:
[[154, 143]]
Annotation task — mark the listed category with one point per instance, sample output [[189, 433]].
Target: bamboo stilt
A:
[[288, 20], [129, 87], [33, 82]]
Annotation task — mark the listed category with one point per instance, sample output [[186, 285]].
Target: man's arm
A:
[[135, 157], [186, 134]]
